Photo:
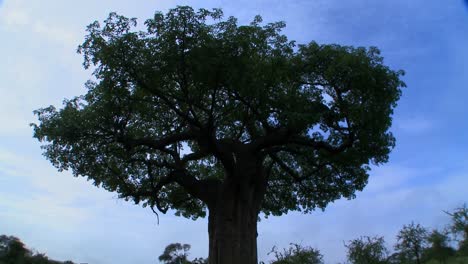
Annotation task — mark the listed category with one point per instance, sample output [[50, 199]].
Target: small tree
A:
[[459, 228], [13, 250], [297, 254], [367, 250], [177, 253], [412, 239], [439, 247]]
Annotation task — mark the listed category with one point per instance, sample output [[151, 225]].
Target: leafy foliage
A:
[[459, 228], [14, 251], [439, 249], [434, 247], [173, 110], [297, 254], [459, 220], [177, 253], [412, 240], [367, 250]]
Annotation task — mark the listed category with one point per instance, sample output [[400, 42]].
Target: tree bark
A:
[[232, 222], [233, 240], [416, 252]]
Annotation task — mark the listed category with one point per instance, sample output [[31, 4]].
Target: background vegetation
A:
[[415, 244]]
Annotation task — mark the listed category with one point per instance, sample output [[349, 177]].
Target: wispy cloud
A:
[[414, 125], [16, 17], [391, 177], [41, 196]]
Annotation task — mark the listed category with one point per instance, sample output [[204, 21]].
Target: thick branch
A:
[[204, 190], [273, 138], [236, 96], [159, 144], [172, 105], [195, 156], [321, 145], [282, 137], [286, 168]]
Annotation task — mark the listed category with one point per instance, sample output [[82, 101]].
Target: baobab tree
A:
[[200, 115]]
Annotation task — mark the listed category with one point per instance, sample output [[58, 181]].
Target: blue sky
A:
[[68, 218]]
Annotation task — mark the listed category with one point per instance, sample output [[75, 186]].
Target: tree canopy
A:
[[176, 253], [297, 254], [14, 251], [439, 249], [411, 242], [367, 250], [459, 228], [174, 108]]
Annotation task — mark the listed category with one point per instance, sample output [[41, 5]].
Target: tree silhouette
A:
[[459, 227], [412, 240], [14, 251], [439, 247], [177, 253], [367, 250], [297, 254], [198, 114]]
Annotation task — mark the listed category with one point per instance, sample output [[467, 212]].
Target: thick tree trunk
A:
[[233, 240], [232, 222]]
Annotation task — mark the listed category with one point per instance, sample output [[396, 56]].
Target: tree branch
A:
[[173, 106], [194, 156], [321, 145], [159, 144], [286, 168]]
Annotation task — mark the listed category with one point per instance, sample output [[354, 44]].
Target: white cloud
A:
[[60, 35], [17, 86], [42, 210], [16, 16], [45, 178], [414, 125], [390, 177], [37, 55], [36, 192]]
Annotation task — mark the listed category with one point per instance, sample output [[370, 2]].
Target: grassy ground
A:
[[455, 260]]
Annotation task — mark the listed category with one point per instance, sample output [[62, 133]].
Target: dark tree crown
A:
[[175, 108]]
